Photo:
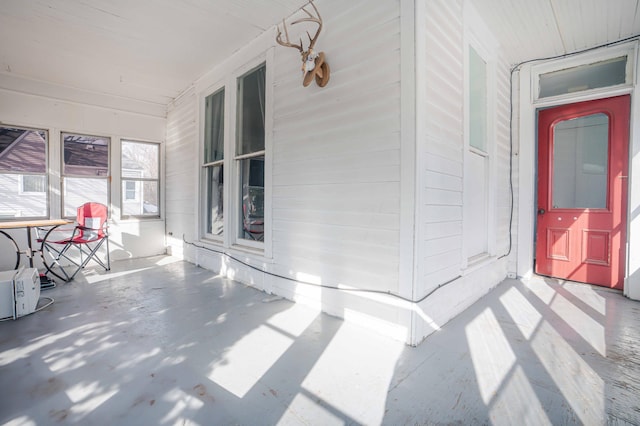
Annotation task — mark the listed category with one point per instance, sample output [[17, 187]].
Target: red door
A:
[[582, 191]]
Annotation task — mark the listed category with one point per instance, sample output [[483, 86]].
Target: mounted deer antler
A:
[[313, 64]]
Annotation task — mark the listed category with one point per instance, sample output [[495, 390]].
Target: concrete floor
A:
[[158, 341]]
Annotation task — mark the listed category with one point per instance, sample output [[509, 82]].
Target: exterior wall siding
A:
[[181, 174], [444, 285], [335, 158], [441, 164]]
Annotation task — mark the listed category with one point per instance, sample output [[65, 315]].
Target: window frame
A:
[[46, 174], [228, 78], [139, 182], [64, 175], [478, 37], [206, 166], [586, 59], [237, 198]]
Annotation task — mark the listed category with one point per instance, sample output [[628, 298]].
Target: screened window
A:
[[85, 171], [213, 163], [23, 173], [250, 151], [140, 179]]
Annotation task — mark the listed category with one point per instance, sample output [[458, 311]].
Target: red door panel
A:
[[582, 190]]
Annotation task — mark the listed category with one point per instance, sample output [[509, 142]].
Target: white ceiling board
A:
[[529, 29], [148, 50]]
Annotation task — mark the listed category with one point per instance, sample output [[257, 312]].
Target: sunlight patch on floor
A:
[[524, 315], [183, 408], [582, 323], [11, 355], [490, 352], [306, 409], [358, 385], [580, 386], [519, 402], [588, 296], [295, 320], [249, 359], [92, 279]]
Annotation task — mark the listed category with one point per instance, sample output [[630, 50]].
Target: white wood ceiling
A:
[[151, 50], [530, 29]]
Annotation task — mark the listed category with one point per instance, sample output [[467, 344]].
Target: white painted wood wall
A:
[[443, 277], [337, 170]]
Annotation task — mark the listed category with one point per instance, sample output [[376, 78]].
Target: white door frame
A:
[[525, 135]]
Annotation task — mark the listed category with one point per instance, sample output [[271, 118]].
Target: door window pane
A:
[[580, 162]]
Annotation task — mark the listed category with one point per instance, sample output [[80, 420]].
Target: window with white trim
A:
[[250, 153], [478, 157], [140, 163], [23, 172], [85, 171], [213, 164]]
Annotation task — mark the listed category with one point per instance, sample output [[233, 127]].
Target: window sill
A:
[[478, 261]]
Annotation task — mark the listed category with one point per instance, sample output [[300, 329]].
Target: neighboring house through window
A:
[[23, 173], [85, 171], [140, 173]]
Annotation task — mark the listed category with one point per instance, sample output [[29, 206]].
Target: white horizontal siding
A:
[[440, 166], [504, 229], [181, 170], [336, 153]]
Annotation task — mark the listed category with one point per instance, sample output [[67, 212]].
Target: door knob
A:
[[541, 211]]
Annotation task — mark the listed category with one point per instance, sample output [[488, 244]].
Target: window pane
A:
[[252, 187], [580, 162], [23, 167], [215, 210], [477, 100], [584, 77], [78, 191], [214, 127], [251, 112], [140, 159], [34, 183], [141, 198], [85, 155], [23, 150]]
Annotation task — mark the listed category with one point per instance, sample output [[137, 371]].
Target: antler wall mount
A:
[[314, 66]]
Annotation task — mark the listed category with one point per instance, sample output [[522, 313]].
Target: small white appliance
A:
[[19, 292]]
